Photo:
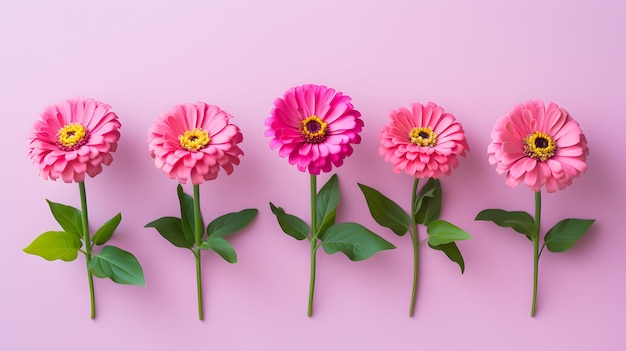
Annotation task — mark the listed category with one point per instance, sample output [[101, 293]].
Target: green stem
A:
[[87, 240], [415, 242], [536, 250], [198, 232], [196, 254], [314, 246]]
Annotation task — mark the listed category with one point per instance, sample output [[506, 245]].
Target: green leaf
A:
[[55, 246], [119, 265], [231, 223], [171, 229], [290, 224], [565, 233], [327, 201], [221, 247], [354, 240], [453, 253], [186, 214], [520, 221], [441, 232], [68, 217], [104, 233], [428, 202], [386, 212]]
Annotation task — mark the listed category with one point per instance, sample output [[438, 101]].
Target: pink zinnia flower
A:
[[194, 140], [74, 137], [538, 146], [424, 142], [314, 126]]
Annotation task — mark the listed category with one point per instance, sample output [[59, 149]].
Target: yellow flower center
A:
[[194, 140], [313, 129], [71, 136], [423, 136], [539, 145]]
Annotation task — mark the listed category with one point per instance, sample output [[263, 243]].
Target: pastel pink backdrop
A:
[[477, 59]]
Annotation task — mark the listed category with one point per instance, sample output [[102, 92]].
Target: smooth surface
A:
[[475, 58]]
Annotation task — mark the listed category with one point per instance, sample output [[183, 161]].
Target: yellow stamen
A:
[[71, 136], [423, 136], [539, 145], [194, 140], [313, 129]]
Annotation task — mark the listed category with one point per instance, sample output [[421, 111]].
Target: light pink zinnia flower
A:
[[194, 140], [74, 137], [423, 142], [314, 126], [538, 146]]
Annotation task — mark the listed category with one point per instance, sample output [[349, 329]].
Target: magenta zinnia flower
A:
[[314, 126], [538, 146], [423, 142], [194, 140], [74, 137]]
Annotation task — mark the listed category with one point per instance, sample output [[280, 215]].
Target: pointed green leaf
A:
[[68, 217], [186, 214], [520, 221], [171, 229], [441, 232], [428, 202], [231, 223], [565, 233], [55, 246], [354, 240], [221, 247], [453, 253], [119, 265], [104, 233], [327, 201], [386, 212], [290, 224]]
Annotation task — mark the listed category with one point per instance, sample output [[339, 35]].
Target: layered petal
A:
[[424, 141], [313, 127], [74, 137], [194, 141], [539, 146]]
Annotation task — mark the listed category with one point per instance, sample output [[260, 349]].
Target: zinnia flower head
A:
[[194, 141], [539, 146], [314, 126], [74, 137], [424, 142]]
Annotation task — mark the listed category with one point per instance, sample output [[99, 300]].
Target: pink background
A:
[[477, 59]]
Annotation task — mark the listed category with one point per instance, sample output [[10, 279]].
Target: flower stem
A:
[[196, 254], [536, 250], [415, 243], [198, 232], [313, 242], [87, 240]]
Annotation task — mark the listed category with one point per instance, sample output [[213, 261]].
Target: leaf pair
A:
[[119, 265], [327, 200], [426, 210], [352, 239], [180, 231], [65, 245], [561, 237]]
